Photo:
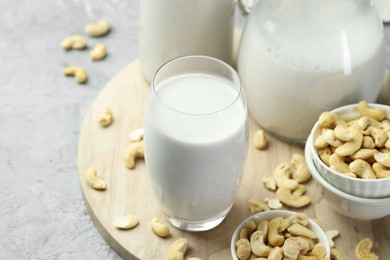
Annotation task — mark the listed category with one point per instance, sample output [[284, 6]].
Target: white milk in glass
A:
[[293, 73], [195, 145], [173, 28]]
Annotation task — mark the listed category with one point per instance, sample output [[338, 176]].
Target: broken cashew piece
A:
[[350, 147], [136, 135], [330, 235], [376, 113], [78, 72], [269, 182], [300, 218], [300, 230], [260, 140], [126, 222], [93, 181], [256, 206], [98, 52], [336, 254], [98, 29], [177, 249], [363, 250], [105, 118], [285, 196], [294, 246], [133, 152], [74, 42], [274, 203], [160, 229], [382, 158]]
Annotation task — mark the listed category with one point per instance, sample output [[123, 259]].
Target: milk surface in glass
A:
[[195, 145], [173, 28], [298, 61]]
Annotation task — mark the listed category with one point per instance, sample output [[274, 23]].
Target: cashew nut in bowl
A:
[[382, 158], [98, 29], [300, 230], [350, 147], [381, 171], [375, 113], [274, 237], [362, 169], [257, 244], [295, 246], [300, 218], [337, 163], [243, 250], [378, 134]]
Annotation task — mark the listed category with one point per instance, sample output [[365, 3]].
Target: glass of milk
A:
[[196, 138], [300, 58], [173, 28]]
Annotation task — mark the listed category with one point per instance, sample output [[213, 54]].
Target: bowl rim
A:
[[317, 176], [282, 212], [315, 150]]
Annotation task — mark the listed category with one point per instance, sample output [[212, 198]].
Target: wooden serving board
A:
[[129, 192]]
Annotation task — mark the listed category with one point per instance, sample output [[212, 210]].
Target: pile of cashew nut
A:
[[79, 42], [359, 148], [287, 180], [279, 238]]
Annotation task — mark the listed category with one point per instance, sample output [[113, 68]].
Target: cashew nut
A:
[[98, 53], [126, 222], [387, 144], [331, 139], [330, 234], [251, 227], [286, 197], [177, 249], [269, 182], [105, 118], [100, 28], [276, 253], [282, 175], [301, 173], [299, 230], [274, 203], [368, 142], [318, 250], [385, 124], [381, 171], [362, 169], [376, 113], [93, 181], [260, 140], [160, 229], [256, 206], [78, 72], [382, 158], [294, 246], [337, 163], [363, 154], [257, 244], [363, 250], [243, 249], [136, 135], [327, 119], [299, 191], [75, 42], [320, 141], [300, 218], [342, 132], [378, 134], [263, 227], [336, 254], [350, 147], [274, 237], [133, 152], [365, 121], [324, 154]]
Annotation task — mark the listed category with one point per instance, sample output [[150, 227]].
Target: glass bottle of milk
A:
[[300, 58]]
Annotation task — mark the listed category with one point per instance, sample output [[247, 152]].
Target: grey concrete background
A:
[[42, 214]]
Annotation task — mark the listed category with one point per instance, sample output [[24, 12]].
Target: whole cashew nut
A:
[[382, 158], [324, 154], [301, 173], [75, 42], [98, 29], [286, 197], [350, 147], [276, 253], [274, 237], [77, 71], [160, 229], [243, 249], [94, 181], [98, 53], [331, 139], [362, 169], [342, 133], [300, 218], [368, 142], [294, 246], [126, 222], [105, 118], [378, 134], [260, 140], [330, 235], [363, 154], [337, 163], [376, 113], [366, 121], [258, 246], [318, 250], [299, 230], [177, 249], [363, 250], [133, 152], [282, 175], [336, 254], [381, 171]]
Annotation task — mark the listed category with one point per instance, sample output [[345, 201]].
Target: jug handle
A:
[[246, 6]]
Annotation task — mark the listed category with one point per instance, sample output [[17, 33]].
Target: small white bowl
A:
[[378, 188], [344, 203], [270, 214]]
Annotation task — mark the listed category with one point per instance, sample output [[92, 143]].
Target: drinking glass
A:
[[196, 139]]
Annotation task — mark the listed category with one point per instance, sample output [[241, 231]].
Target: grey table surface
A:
[[42, 213]]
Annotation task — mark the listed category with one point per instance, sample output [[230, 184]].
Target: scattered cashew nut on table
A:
[[260, 140], [160, 229], [98, 52], [126, 222], [177, 249], [97, 29], [78, 72], [133, 152], [74, 42], [94, 181], [105, 118], [363, 250]]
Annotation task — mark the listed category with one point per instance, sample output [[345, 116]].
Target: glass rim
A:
[[235, 77]]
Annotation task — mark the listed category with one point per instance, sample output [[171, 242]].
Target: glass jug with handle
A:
[[300, 58]]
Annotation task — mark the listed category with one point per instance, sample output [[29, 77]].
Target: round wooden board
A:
[[129, 192]]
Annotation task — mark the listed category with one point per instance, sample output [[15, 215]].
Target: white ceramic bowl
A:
[[344, 203], [270, 214], [379, 188]]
